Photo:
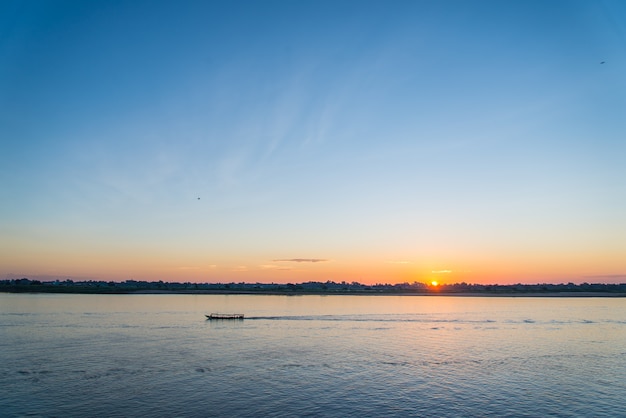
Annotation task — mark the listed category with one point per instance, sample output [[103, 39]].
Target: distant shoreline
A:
[[327, 288], [508, 294]]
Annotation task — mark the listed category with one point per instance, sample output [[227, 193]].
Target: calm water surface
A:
[[156, 355]]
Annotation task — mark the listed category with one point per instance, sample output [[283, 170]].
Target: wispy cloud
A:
[[274, 267], [211, 266], [606, 277], [300, 260], [399, 262], [441, 271]]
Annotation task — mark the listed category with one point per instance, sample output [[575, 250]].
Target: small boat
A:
[[224, 316]]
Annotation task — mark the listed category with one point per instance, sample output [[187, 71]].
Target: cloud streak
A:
[[274, 267], [606, 277], [300, 260]]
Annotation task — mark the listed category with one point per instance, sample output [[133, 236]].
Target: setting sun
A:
[[434, 283]]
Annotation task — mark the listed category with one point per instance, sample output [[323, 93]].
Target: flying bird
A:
[[602, 62]]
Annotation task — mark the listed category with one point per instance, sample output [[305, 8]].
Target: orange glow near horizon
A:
[[100, 262]]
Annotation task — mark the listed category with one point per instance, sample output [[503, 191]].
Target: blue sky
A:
[[392, 140]]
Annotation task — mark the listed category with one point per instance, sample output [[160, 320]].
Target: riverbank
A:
[[499, 292]]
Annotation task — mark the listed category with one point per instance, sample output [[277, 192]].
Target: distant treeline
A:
[[328, 287]]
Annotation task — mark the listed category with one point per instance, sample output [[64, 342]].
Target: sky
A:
[[292, 141]]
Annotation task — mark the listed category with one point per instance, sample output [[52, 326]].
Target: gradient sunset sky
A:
[[288, 141]]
